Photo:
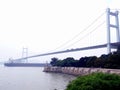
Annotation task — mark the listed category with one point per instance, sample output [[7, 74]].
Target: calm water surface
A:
[[31, 78]]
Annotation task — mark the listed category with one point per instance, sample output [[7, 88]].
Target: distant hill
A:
[[25, 64]]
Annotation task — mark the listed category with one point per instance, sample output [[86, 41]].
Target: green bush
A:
[[96, 81]]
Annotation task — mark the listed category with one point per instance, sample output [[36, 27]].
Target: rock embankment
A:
[[79, 71]]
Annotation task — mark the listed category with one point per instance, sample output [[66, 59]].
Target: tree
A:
[[68, 62], [91, 61], [54, 61], [96, 81], [111, 60], [82, 61]]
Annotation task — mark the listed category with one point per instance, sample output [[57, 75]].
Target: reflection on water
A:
[[31, 78]]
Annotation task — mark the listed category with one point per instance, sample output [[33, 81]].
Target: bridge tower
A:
[[109, 26], [25, 54]]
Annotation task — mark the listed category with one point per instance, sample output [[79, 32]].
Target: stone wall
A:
[[79, 71]]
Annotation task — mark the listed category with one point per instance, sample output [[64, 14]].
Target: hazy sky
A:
[[44, 25]]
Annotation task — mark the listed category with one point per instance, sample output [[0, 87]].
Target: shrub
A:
[[96, 81]]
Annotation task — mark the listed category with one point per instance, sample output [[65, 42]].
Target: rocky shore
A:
[[79, 71]]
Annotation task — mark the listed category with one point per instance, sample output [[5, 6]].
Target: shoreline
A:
[[79, 71]]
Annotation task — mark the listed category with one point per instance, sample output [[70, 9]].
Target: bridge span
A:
[[110, 45], [113, 45]]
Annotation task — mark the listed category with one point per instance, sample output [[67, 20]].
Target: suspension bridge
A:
[[109, 45]]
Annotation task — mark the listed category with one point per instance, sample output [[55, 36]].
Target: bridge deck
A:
[[113, 45]]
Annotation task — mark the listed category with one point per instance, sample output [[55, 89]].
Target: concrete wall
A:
[[79, 71]]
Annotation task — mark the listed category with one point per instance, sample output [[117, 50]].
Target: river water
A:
[[32, 78]]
